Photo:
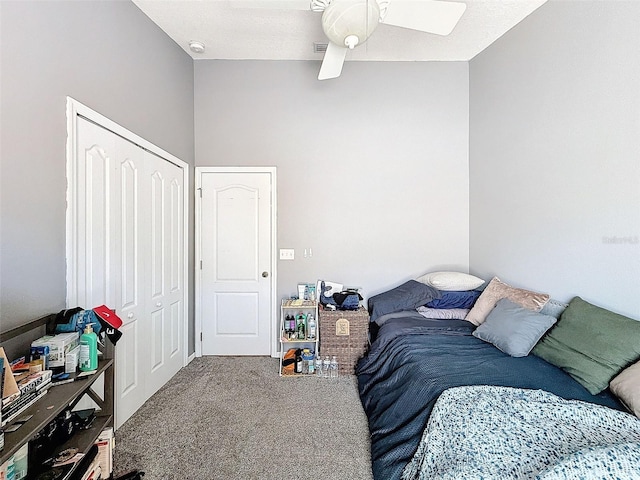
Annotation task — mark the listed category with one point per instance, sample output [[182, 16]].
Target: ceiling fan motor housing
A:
[[348, 23]]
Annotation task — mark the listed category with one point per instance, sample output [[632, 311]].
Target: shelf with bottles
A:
[[306, 363], [299, 332], [299, 321]]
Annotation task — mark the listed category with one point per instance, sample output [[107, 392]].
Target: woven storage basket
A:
[[348, 342]]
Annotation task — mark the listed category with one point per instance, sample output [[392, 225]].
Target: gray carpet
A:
[[235, 418]]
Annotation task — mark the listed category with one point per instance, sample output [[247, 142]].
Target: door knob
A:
[[159, 304], [265, 274], [130, 315]]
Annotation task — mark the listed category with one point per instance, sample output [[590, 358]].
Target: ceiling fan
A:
[[348, 23]]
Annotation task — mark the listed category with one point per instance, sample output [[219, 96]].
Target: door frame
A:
[[198, 253], [76, 109]]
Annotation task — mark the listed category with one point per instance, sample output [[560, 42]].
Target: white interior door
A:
[[126, 249], [237, 269]]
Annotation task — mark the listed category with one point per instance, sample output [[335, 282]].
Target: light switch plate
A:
[[287, 254]]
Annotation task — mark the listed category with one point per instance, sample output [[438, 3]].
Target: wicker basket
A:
[[345, 334]]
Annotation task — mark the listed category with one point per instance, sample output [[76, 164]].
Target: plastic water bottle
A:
[[318, 365], [325, 367], [333, 366], [311, 327], [312, 366]]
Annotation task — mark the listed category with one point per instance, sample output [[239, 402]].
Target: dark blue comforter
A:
[[413, 360]]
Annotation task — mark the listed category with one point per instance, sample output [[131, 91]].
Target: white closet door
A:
[[95, 177], [165, 270], [127, 226], [107, 258], [132, 351]]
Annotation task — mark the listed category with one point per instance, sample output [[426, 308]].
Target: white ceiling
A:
[[232, 32]]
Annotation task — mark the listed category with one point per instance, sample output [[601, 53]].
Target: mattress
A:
[[413, 360]]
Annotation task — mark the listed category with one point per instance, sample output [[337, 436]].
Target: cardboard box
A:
[[9, 387], [40, 353], [59, 345], [71, 360], [105, 444]]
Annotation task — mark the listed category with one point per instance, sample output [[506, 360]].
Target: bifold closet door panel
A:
[[165, 270], [132, 351], [95, 225], [105, 258]]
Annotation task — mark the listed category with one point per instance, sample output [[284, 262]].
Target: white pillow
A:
[[451, 281], [443, 313]]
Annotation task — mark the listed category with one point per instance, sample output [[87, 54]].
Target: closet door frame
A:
[[76, 109]]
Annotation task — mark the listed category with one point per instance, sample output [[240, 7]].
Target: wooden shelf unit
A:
[[61, 397], [294, 307]]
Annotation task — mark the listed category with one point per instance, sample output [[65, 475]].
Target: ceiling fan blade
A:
[[431, 16], [332, 61]]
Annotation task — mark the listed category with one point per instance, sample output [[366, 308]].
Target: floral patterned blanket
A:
[[486, 432]]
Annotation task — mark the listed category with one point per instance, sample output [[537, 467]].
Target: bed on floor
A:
[[413, 360]]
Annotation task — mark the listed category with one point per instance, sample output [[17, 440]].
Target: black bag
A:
[[347, 299]]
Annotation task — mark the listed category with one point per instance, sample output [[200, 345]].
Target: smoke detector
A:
[[196, 47]]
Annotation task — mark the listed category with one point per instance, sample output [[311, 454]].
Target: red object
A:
[[109, 316]]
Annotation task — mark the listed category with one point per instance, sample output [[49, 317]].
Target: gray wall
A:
[[554, 174], [372, 168], [555, 154], [107, 55]]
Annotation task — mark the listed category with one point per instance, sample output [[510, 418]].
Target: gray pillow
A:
[[554, 308], [408, 296], [513, 329]]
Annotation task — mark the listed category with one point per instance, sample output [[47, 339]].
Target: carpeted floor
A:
[[235, 418]]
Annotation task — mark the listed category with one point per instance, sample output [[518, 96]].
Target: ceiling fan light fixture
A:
[[348, 23], [351, 41]]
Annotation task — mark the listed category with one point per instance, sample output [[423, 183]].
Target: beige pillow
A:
[[626, 386], [497, 290]]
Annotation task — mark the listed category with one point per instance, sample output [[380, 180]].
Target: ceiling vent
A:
[[319, 47]]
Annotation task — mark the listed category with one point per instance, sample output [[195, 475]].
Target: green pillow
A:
[[591, 344]]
